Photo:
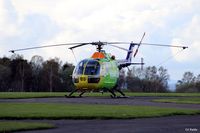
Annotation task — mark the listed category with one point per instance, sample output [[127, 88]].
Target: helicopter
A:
[[101, 70]]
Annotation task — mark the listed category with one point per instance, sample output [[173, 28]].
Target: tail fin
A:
[[130, 52], [127, 61]]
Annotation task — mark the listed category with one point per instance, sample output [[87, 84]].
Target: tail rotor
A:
[[139, 45]]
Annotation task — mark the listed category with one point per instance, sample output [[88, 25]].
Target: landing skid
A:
[[112, 91], [79, 96]]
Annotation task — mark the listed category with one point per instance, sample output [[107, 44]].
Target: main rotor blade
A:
[[164, 45], [103, 43], [152, 44], [82, 44], [118, 47], [118, 42], [45, 46]]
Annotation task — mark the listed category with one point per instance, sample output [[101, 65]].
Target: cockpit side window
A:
[[80, 67], [92, 68], [88, 67]]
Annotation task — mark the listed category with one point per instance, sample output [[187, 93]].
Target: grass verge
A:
[[194, 100], [142, 94], [83, 111], [6, 127], [16, 95]]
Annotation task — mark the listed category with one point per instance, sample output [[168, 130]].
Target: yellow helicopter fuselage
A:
[[98, 72]]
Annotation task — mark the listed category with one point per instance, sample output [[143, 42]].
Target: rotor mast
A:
[[99, 45]]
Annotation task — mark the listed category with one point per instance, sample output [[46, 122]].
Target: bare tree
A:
[[189, 83], [36, 65], [50, 74], [188, 77]]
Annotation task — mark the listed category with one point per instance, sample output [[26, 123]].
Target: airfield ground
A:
[[172, 122]]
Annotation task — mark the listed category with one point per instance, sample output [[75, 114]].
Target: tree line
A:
[[39, 75], [150, 79], [189, 83], [18, 74]]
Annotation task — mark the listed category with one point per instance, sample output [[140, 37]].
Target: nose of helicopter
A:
[[87, 82], [83, 79]]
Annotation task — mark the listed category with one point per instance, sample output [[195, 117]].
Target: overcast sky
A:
[[27, 23]]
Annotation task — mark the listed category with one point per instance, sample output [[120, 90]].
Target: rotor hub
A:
[[99, 45]]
